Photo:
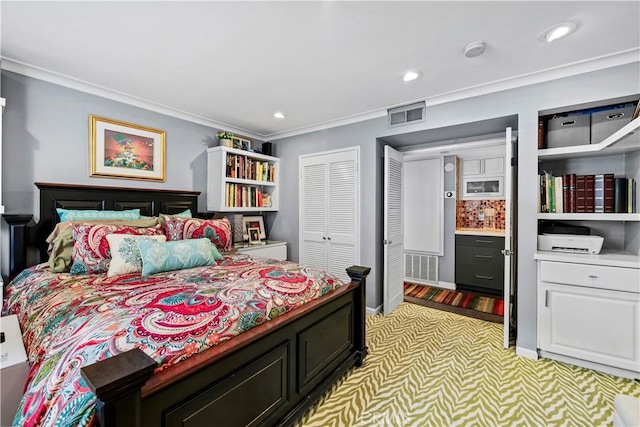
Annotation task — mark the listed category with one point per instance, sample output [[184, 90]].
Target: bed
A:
[[261, 370]]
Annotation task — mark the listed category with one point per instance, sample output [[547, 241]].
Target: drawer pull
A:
[[484, 256], [484, 277], [546, 298], [591, 276], [484, 241]]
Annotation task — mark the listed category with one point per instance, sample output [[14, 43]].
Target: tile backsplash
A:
[[480, 214]]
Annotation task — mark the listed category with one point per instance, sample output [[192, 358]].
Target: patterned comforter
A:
[[72, 321]]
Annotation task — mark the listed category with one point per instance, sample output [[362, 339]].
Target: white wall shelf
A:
[[591, 216], [220, 180], [624, 140]]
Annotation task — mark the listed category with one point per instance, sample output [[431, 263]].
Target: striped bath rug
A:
[[460, 302]]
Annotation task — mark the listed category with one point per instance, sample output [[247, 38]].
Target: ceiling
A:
[[233, 64]]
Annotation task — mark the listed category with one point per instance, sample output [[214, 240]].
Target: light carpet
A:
[[433, 368]]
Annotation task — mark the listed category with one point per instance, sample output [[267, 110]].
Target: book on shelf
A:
[[599, 193], [620, 189], [581, 194], [589, 193], [542, 132], [558, 194], [572, 193]]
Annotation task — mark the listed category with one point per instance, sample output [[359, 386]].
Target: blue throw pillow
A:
[[175, 255], [86, 214]]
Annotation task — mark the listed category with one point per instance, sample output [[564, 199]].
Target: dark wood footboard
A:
[[269, 375]]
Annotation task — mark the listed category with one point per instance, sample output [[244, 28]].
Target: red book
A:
[[609, 193], [590, 183], [572, 193], [565, 193], [581, 194]]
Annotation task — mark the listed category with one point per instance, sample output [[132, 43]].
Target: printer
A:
[[573, 243]]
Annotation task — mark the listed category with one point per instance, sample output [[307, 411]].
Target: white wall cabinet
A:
[[241, 181], [329, 211], [485, 166]]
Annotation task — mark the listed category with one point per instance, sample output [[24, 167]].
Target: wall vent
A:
[[420, 268], [406, 115]]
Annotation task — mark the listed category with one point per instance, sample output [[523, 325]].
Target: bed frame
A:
[[269, 375]]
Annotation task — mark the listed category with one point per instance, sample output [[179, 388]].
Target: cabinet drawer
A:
[[484, 277], [591, 276], [480, 241], [468, 255]]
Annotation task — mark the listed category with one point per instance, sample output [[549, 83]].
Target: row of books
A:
[[247, 168], [571, 193], [245, 196]]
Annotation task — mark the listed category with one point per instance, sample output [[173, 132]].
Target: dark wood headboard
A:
[[66, 196]]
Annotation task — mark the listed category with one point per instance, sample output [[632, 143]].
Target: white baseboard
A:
[[446, 285], [374, 311], [525, 352]]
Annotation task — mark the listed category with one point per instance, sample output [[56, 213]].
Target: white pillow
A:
[[125, 255]]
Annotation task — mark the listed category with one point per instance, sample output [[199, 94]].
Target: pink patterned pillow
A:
[[91, 253], [216, 230]]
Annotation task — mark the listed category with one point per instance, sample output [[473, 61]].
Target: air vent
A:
[[406, 115], [420, 268]]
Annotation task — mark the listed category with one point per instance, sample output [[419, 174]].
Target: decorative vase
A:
[[226, 143]]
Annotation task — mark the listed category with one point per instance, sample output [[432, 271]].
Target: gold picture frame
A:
[[125, 150]]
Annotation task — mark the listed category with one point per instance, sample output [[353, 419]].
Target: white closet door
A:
[[343, 212], [509, 257], [313, 212], [393, 230]]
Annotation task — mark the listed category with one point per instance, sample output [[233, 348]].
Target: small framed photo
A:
[[125, 150], [241, 143], [254, 235], [250, 222]]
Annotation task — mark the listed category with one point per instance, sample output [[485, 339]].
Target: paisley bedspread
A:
[[72, 321]]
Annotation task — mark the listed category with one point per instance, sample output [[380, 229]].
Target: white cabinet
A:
[[329, 211], [14, 368], [485, 166], [241, 181], [590, 313], [271, 249]]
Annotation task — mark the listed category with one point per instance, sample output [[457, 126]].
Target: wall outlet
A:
[[449, 194]]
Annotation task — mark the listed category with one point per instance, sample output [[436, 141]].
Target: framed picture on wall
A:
[[250, 222], [124, 150]]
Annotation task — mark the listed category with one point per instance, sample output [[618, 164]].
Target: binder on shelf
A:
[[598, 193], [589, 192], [609, 193], [621, 188]]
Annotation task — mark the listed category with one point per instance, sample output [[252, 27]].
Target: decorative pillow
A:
[[183, 214], [125, 255], [61, 239], [175, 255], [91, 249], [84, 214], [216, 230]]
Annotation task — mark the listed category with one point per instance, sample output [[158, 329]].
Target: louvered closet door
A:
[[393, 230], [313, 212], [343, 219]]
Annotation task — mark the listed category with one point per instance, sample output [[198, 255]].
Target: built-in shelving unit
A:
[[241, 181]]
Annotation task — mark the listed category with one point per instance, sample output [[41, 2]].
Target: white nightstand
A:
[[14, 368], [271, 249]]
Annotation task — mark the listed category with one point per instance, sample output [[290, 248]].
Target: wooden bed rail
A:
[[130, 395]]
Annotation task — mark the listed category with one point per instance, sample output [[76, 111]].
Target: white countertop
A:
[[481, 231], [612, 259]]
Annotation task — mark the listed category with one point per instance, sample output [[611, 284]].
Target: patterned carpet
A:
[[433, 368]]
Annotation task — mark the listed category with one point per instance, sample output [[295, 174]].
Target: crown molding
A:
[[114, 95], [567, 70], [580, 67]]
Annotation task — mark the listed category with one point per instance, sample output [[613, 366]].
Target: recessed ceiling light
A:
[[410, 75], [558, 31], [278, 115]]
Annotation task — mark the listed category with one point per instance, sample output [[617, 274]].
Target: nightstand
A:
[[271, 249], [14, 368]]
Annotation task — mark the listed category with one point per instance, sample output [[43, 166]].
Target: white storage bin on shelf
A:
[[241, 181]]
